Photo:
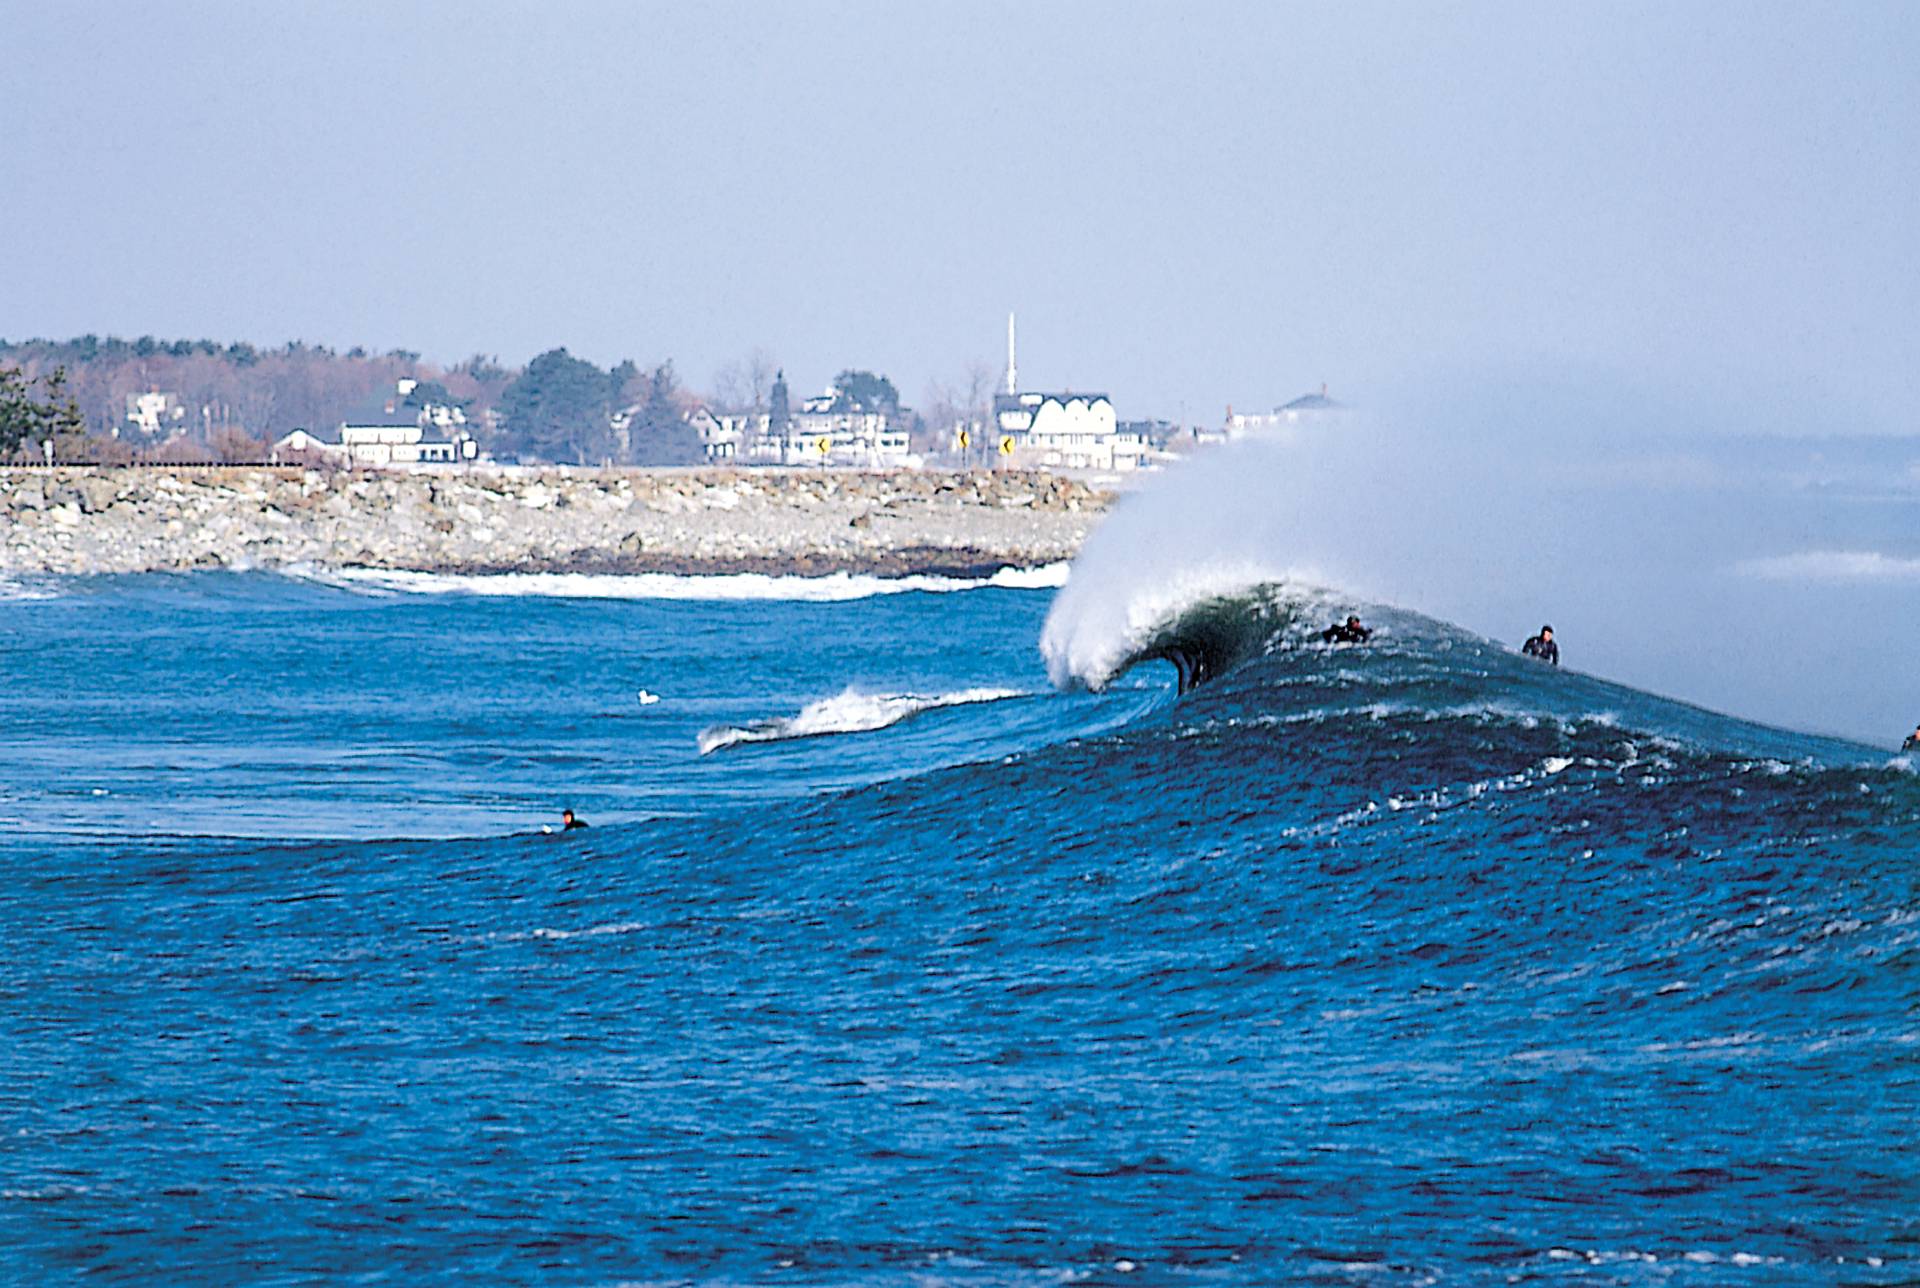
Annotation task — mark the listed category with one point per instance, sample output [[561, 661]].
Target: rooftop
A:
[[1312, 402]]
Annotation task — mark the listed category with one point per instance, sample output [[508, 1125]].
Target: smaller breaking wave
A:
[[833, 588], [848, 712], [13, 589]]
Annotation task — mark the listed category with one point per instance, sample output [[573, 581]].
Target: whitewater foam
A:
[[832, 588], [850, 711]]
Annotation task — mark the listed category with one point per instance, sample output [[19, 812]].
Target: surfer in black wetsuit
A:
[[1913, 741], [1347, 632], [1543, 647], [568, 822]]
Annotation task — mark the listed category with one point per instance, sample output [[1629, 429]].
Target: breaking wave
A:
[[851, 711], [1096, 630], [1203, 636]]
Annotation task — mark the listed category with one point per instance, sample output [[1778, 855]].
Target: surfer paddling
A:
[[1542, 647], [1913, 740], [1347, 632], [569, 821]]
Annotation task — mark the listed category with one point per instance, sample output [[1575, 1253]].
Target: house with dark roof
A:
[[1306, 409], [394, 430]]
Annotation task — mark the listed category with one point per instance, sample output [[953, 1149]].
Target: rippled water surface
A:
[[1415, 963]]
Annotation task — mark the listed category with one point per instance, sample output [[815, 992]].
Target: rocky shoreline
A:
[[147, 519]]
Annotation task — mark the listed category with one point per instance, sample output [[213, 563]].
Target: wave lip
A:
[[850, 711], [834, 588]]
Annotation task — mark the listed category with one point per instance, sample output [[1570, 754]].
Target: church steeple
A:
[[1013, 366]]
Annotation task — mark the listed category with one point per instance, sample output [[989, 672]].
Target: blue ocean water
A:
[[1407, 964]]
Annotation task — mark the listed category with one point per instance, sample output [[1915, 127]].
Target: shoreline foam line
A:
[[832, 588]]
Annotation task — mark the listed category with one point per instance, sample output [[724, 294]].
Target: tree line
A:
[[232, 401]]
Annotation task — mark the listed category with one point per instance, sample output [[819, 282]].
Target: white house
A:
[[395, 431], [827, 432], [152, 412], [306, 443], [1064, 431], [720, 436]]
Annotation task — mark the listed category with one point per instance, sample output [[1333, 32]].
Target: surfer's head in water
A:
[[1913, 740], [568, 822]]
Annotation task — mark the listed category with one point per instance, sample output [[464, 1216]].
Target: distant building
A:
[[393, 431], [720, 436], [828, 431], [1063, 431], [1156, 434], [153, 413], [1306, 409], [309, 445]]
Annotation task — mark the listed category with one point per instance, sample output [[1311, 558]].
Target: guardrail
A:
[[57, 466]]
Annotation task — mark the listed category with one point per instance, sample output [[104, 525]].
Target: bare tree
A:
[[743, 384], [759, 371], [730, 392], [980, 381], [941, 421]]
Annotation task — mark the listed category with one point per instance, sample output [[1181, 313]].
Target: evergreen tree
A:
[[864, 391], [661, 434], [628, 383], [560, 409], [428, 393], [27, 421], [779, 414]]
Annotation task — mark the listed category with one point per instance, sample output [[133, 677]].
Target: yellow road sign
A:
[[1006, 445], [823, 445], [966, 439]]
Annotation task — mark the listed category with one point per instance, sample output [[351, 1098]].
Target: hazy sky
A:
[[1188, 205]]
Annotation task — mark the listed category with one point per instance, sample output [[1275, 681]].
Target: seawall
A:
[[144, 519]]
